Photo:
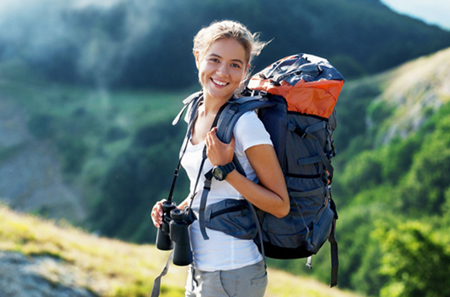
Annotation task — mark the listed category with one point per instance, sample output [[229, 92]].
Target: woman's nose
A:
[[222, 70]]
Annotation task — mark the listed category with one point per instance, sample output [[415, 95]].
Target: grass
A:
[[106, 267], [112, 268]]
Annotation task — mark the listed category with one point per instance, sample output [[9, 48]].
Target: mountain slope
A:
[[413, 93], [30, 171], [395, 103], [44, 257]]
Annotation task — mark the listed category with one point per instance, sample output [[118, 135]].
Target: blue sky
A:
[[435, 12]]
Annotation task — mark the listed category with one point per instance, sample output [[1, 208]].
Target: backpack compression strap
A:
[[334, 256], [307, 133]]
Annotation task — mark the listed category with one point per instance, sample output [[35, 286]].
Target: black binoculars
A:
[[174, 234]]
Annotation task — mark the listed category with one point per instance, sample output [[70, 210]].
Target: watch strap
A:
[[225, 169]]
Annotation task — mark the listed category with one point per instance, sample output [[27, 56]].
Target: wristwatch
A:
[[220, 172]]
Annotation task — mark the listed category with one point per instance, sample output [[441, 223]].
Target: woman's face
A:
[[222, 68]]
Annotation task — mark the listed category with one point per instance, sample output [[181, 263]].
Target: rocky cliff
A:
[[30, 178]]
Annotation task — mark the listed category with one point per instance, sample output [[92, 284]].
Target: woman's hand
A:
[[218, 153], [157, 214]]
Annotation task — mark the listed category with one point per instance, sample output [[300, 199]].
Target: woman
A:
[[225, 265]]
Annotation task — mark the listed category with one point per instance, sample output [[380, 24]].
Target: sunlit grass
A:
[[106, 267]]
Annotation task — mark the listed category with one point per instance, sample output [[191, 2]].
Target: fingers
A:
[[233, 141], [211, 136], [218, 153], [157, 214]]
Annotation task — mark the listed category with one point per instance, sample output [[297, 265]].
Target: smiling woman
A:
[[224, 265], [221, 69]]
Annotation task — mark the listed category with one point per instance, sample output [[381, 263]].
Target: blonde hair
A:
[[228, 29]]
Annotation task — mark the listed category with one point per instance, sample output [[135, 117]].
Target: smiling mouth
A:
[[222, 84]]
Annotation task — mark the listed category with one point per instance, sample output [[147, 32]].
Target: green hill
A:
[[51, 257]]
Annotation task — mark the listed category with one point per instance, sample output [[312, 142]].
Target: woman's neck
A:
[[212, 105]]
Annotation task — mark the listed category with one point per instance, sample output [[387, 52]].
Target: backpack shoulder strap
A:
[[190, 102], [231, 114], [234, 110]]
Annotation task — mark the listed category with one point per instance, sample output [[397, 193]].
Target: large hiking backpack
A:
[[303, 90], [295, 99]]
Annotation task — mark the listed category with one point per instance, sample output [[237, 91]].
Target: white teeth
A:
[[219, 82]]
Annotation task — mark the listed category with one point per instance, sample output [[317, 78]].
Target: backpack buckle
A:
[[326, 177], [275, 83], [300, 132]]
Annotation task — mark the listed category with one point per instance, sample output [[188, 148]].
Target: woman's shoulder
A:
[[248, 118], [250, 131], [247, 123]]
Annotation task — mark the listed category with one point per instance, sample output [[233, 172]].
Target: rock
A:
[[23, 276]]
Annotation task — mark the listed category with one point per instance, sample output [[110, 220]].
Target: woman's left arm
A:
[[271, 194]]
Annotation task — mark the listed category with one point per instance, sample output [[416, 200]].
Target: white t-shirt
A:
[[222, 251]]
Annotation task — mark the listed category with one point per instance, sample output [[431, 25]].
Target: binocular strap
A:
[[157, 282]]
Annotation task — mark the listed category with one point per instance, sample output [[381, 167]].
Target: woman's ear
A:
[[197, 59]]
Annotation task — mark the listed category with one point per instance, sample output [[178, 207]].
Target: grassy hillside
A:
[[108, 267], [394, 104]]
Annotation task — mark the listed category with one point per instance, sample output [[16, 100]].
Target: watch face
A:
[[218, 174]]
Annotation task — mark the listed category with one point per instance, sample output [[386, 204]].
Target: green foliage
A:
[[398, 157], [378, 111], [68, 135], [404, 180], [139, 177], [351, 107], [427, 181], [362, 172], [415, 258], [42, 125], [74, 153]]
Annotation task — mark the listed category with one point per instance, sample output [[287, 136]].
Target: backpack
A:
[[303, 90], [295, 99]]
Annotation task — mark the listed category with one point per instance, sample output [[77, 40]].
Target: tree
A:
[[415, 258]]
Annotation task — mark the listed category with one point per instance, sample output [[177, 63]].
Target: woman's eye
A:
[[214, 60], [235, 65]]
